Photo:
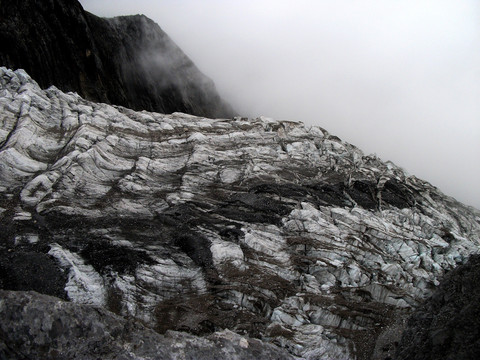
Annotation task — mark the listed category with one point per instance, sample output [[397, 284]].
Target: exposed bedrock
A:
[[127, 60], [36, 326], [447, 326], [270, 229]]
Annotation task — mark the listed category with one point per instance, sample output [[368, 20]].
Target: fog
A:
[[397, 78]]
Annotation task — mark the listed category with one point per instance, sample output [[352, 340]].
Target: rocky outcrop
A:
[[447, 326], [127, 60], [269, 229], [36, 326]]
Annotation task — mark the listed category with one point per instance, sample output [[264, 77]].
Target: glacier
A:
[[270, 229]]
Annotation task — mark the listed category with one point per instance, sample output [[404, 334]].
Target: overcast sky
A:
[[399, 78]]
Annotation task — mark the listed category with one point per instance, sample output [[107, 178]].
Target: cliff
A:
[[126, 61]]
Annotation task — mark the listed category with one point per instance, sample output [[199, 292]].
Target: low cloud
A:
[[397, 78]]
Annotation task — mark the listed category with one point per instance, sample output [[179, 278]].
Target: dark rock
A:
[[105, 257], [397, 194], [253, 207], [35, 326], [231, 234], [363, 193], [447, 325], [197, 247], [30, 269], [126, 61]]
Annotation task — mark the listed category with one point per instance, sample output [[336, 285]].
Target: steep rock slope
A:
[[447, 326], [127, 61], [266, 228]]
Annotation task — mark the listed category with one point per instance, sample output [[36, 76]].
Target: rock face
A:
[[270, 229], [127, 61], [44, 327], [447, 326]]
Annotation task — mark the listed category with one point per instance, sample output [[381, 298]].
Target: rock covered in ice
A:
[[263, 227]]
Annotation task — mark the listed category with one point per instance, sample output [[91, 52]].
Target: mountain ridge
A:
[[125, 60]]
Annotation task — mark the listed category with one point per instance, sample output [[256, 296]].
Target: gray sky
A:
[[397, 78]]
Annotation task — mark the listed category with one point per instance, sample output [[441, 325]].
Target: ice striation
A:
[[270, 229]]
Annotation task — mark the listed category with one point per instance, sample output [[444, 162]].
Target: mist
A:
[[397, 78]]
